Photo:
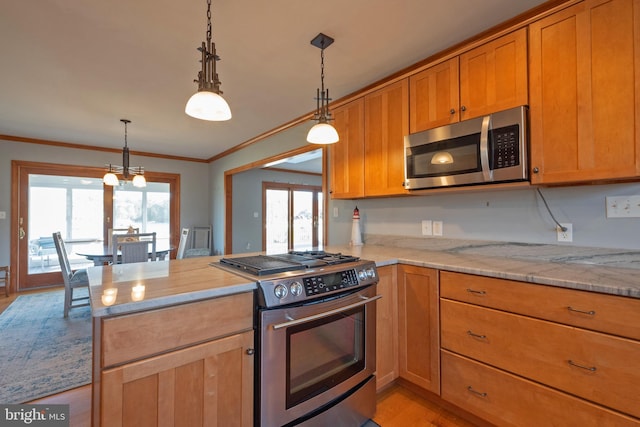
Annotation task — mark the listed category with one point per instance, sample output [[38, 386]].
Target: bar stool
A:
[[5, 280]]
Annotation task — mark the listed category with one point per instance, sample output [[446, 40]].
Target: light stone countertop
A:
[[128, 288], [609, 271], [165, 283]]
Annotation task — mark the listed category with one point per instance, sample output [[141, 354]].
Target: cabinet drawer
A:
[[599, 312], [507, 400], [134, 336], [592, 365]]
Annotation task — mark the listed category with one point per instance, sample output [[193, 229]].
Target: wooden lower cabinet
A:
[[208, 384], [185, 365], [387, 327], [508, 400], [419, 326], [502, 365]]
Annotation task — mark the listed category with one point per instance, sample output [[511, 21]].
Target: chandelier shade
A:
[[111, 178], [322, 132], [207, 103]]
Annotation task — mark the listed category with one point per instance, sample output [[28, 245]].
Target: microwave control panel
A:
[[505, 147]]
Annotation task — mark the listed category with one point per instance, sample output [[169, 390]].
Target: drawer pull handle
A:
[[587, 368], [476, 392], [473, 291], [590, 312], [472, 334]]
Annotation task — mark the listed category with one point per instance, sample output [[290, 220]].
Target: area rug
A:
[[42, 353]]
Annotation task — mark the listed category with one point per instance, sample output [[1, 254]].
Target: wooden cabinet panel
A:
[[387, 327], [588, 364], [508, 400], [493, 77], [434, 96], [585, 97], [347, 156], [134, 336], [418, 325], [385, 125], [208, 384], [599, 312]]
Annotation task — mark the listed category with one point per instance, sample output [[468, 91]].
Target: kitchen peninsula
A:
[[193, 318]]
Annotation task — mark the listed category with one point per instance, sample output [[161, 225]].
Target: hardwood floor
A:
[[400, 407]]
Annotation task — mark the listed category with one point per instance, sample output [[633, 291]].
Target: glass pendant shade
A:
[[139, 181], [442, 158], [322, 133], [111, 179], [206, 105]]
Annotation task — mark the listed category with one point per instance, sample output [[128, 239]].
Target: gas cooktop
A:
[[259, 265]]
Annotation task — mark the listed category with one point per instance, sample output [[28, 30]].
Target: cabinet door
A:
[[585, 93], [386, 122], [386, 327], [434, 97], [493, 77], [347, 155], [419, 325], [208, 384]]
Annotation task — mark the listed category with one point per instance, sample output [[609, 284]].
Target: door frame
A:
[[20, 171]]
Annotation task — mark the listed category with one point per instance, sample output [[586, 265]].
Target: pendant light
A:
[[207, 103], [322, 132], [110, 178]]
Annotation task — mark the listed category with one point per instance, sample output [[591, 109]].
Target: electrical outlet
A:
[[335, 212], [427, 227], [565, 236], [437, 228]]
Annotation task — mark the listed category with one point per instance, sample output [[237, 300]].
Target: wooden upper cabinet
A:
[[434, 96], [347, 155], [386, 122], [585, 93], [489, 78], [493, 77]]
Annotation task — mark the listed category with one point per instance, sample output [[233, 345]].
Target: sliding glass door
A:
[[74, 201], [293, 217]]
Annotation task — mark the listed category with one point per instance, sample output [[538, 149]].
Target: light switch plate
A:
[[3, 215], [623, 207], [437, 228]]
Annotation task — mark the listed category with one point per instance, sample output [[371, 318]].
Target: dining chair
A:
[[113, 231], [184, 237], [72, 280], [200, 242], [130, 248]]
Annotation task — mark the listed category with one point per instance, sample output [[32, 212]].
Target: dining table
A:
[[103, 254]]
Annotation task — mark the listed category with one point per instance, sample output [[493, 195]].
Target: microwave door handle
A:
[[328, 313], [484, 149]]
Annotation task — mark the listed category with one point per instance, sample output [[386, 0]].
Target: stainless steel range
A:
[[316, 337]]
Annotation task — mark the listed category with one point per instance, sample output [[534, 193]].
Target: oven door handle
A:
[[294, 322]]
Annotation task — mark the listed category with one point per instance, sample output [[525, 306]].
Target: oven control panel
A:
[[322, 282]]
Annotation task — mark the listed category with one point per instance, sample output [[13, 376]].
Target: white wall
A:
[[194, 179]]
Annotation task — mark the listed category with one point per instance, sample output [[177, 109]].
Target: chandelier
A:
[[322, 132], [207, 103], [110, 178]]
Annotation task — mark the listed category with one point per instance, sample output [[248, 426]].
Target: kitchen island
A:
[[170, 323]]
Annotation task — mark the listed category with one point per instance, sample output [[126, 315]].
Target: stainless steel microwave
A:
[[483, 150]]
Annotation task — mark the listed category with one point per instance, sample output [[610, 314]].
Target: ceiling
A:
[[71, 69]]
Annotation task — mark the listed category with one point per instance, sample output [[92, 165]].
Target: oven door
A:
[[313, 354]]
